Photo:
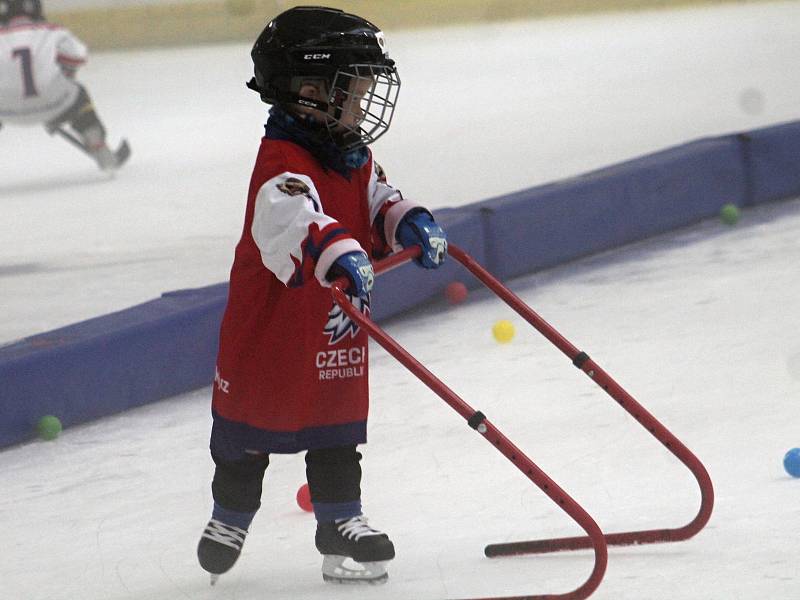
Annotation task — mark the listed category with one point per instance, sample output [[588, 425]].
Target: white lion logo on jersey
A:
[[339, 324]]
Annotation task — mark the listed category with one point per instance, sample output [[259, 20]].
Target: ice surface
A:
[[699, 325]]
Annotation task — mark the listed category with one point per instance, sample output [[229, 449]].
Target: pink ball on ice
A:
[[304, 498]]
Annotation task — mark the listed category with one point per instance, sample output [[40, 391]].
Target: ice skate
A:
[[105, 158], [353, 539], [108, 160], [219, 547], [94, 143]]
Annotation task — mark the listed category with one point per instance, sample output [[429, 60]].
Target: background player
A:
[[38, 62], [292, 368]]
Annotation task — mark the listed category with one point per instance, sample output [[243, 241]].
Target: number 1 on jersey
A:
[[24, 55]]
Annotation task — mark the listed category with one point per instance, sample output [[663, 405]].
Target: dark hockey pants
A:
[[333, 475], [82, 117]]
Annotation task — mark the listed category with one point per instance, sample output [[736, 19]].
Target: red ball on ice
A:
[[304, 498], [455, 292]]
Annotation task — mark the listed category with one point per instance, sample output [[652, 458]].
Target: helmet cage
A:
[[356, 120]]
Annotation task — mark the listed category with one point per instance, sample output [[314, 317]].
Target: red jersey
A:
[[292, 368]]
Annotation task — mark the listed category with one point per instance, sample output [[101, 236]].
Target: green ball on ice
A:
[[48, 427], [729, 214]]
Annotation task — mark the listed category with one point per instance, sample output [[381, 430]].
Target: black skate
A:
[[106, 159], [219, 547], [354, 539]]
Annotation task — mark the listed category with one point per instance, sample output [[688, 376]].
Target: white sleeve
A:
[[286, 207], [385, 199], [70, 51]]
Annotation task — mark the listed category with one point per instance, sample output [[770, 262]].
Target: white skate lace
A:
[[356, 528], [226, 535]]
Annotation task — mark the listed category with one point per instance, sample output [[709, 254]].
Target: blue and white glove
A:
[[355, 266], [418, 228]]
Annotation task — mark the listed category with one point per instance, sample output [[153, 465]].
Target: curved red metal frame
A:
[[626, 401], [594, 538], [478, 421]]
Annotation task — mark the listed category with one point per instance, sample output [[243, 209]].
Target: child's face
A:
[[353, 112]]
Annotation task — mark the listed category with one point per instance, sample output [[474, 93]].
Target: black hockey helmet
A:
[[343, 50], [20, 8]]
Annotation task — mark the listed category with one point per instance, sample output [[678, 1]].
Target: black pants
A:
[[333, 475]]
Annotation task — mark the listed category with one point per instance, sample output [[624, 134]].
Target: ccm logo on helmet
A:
[[316, 56]]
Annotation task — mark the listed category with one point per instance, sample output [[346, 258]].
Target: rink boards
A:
[[168, 346]]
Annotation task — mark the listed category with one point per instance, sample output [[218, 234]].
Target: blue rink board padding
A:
[[110, 363], [774, 162], [168, 346], [546, 226]]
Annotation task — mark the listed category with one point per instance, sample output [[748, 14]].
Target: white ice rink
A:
[[699, 325]]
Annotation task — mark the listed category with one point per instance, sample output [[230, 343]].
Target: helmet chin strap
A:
[[290, 97]]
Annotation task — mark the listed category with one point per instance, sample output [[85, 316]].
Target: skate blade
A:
[[214, 579], [335, 571]]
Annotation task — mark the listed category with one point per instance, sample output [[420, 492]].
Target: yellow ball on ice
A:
[[503, 331]]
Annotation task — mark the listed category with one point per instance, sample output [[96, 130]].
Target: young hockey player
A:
[[292, 368], [38, 61]]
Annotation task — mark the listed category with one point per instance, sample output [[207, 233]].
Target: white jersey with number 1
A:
[[33, 87]]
